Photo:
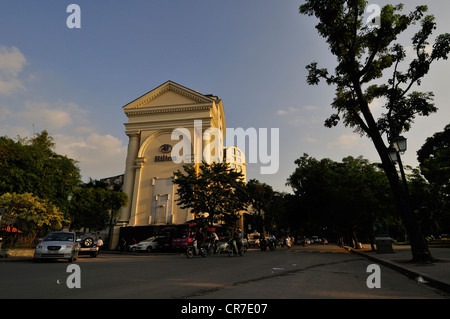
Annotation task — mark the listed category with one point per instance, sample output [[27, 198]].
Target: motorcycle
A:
[[272, 244], [194, 250], [263, 244], [223, 246], [236, 248]]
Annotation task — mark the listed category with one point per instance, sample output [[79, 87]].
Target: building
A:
[[236, 158], [168, 127]]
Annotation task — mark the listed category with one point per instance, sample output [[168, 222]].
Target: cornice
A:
[[168, 86], [166, 109]]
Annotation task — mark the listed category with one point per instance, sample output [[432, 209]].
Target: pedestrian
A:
[[216, 240], [99, 242], [200, 237], [123, 245]]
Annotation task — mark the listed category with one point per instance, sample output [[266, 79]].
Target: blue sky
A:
[[252, 54]]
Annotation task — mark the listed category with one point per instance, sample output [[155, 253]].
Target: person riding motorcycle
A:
[[237, 238]]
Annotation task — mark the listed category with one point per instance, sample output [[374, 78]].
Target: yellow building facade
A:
[[168, 127]]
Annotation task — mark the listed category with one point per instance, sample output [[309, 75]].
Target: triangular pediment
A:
[[168, 94]]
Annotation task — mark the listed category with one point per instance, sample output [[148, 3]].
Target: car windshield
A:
[[59, 237], [150, 239]]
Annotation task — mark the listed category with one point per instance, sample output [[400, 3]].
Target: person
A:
[[237, 237], [99, 242], [123, 245], [272, 242], [216, 240], [200, 237]]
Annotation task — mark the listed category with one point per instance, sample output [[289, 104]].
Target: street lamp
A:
[[399, 144], [69, 198], [392, 152]]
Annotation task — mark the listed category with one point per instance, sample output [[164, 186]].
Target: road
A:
[[313, 272]]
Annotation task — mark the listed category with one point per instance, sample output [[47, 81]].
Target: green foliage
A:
[[216, 190], [364, 54], [369, 67], [30, 214], [31, 166], [91, 205], [341, 195], [434, 159]]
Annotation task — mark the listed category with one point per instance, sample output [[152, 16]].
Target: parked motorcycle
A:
[[223, 246], [194, 250], [236, 248]]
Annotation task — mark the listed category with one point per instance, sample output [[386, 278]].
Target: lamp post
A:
[[69, 198], [399, 145]]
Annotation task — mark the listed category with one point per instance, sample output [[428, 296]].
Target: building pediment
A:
[[169, 94]]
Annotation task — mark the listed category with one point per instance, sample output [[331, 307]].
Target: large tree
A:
[[32, 166], [214, 190], [260, 197], [341, 197], [364, 55], [434, 159], [30, 215], [92, 206]]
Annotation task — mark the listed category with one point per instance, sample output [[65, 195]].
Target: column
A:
[[128, 183]]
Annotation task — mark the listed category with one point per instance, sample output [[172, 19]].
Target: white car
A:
[[57, 245], [148, 245]]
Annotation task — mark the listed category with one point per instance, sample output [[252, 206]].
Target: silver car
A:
[[147, 245], [58, 245]]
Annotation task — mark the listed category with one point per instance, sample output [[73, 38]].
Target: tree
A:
[[340, 197], [216, 191], [260, 197], [30, 214], [363, 55], [32, 166], [434, 159], [92, 206]]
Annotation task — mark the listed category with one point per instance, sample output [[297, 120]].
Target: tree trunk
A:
[[419, 245]]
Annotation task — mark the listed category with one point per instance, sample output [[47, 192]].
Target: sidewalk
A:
[[436, 274]]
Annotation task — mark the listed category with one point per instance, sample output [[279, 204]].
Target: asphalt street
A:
[[312, 272]]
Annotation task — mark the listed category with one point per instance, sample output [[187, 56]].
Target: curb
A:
[[430, 281]]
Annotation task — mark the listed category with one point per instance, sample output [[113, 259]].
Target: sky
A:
[[73, 82]]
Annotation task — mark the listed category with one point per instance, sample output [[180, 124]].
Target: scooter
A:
[[272, 244], [196, 251], [235, 248]]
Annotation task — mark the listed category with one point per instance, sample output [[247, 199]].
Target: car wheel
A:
[[149, 249], [88, 242]]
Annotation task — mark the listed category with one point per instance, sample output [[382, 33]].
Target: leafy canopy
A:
[[364, 54], [216, 190]]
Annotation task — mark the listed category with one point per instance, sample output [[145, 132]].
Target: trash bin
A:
[[384, 245]]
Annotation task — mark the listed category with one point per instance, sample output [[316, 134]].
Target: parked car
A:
[[57, 245], [253, 239], [148, 245], [88, 244]]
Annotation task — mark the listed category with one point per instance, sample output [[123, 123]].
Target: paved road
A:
[[302, 272]]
